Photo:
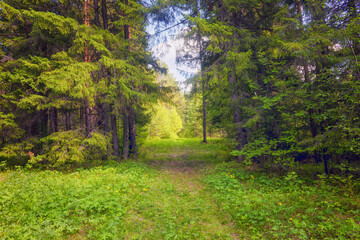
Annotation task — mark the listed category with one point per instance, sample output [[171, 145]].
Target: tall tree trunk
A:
[[240, 132], [132, 132], [222, 10], [114, 134], [299, 6], [355, 41], [326, 163], [44, 122], [105, 117], [67, 121], [104, 106], [321, 63], [204, 107], [87, 59], [127, 29], [130, 110], [125, 152], [87, 118], [37, 124], [96, 13], [82, 117], [86, 22], [199, 39], [104, 14], [304, 62], [53, 120]]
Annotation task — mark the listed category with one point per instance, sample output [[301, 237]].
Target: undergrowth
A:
[[178, 189], [286, 207], [83, 204], [190, 149]]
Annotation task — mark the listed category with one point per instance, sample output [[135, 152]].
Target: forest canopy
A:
[[279, 79]]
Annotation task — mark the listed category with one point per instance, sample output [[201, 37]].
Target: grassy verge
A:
[[55, 205], [187, 149], [285, 208], [131, 200], [179, 189]]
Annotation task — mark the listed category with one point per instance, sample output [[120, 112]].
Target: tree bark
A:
[[326, 161], [96, 13], [86, 22], [87, 59], [114, 134], [240, 132], [53, 120], [299, 6], [222, 10], [67, 121], [44, 122], [82, 117], [104, 14], [105, 117], [126, 26], [125, 152], [204, 107], [87, 117], [132, 132], [202, 86], [130, 110]]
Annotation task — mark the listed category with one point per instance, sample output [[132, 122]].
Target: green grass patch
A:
[[189, 149], [86, 203], [179, 189], [284, 207], [131, 200]]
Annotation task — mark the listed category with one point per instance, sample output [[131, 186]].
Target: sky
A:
[[164, 48], [166, 53]]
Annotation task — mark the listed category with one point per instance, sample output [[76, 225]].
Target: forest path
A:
[[187, 209]]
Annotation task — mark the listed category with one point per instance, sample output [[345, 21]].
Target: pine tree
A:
[[70, 73]]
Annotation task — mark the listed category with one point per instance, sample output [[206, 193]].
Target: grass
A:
[[189, 149], [131, 200], [286, 207], [178, 189]]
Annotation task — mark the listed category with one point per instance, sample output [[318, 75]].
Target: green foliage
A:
[[96, 147], [70, 148], [14, 154], [166, 115], [9, 129], [185, 190], [165, 122], [57, 73], [72, 81], [63, 148], [276, 151], [283, 79], [189, 149], [264, 207], [193, 118], [55, 205], [127, 200]]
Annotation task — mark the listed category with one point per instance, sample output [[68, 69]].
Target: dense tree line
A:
[[282, 77], [75, 76]]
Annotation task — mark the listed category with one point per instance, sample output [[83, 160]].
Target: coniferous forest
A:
[[274, 109]]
